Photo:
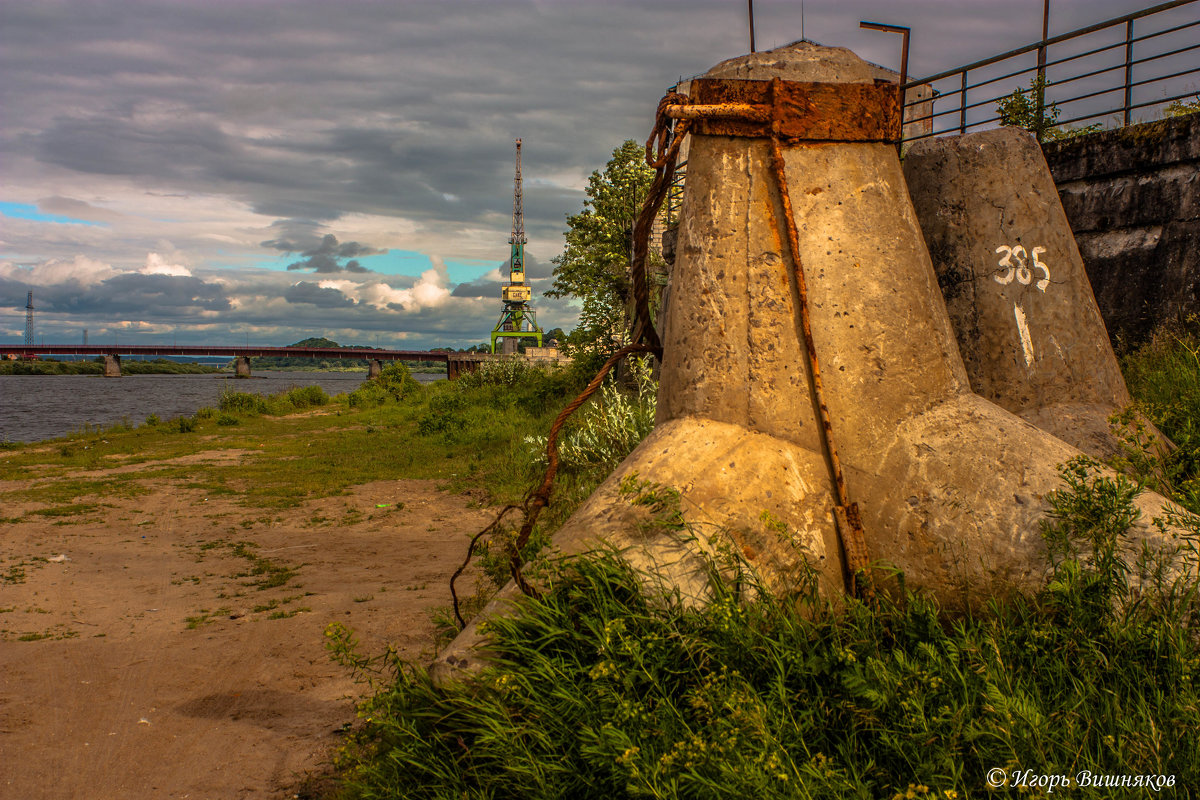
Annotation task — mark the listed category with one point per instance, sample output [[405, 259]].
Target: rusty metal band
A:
[[793, 111]]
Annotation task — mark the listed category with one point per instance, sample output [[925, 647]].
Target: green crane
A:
[[517, 319]]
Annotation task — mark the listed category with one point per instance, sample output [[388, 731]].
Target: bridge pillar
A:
[[374, 367], [241, 367], [112, 366]]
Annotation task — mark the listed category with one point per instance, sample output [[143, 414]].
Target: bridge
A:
[[456, 363]]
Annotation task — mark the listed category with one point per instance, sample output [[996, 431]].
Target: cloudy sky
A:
[[266, 170]]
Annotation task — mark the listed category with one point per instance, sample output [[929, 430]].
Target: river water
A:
[[34, 407]]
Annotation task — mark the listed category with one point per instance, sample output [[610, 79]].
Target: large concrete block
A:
[[951, 487], [1028, 328]]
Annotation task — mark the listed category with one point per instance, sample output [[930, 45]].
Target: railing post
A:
[[1041, 72], [1128, 68], [962, 107]]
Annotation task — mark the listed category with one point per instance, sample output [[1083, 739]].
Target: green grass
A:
[[69, 510], [610, 687], [262, 573], [205, 617], [1164, 375], [468, 434]]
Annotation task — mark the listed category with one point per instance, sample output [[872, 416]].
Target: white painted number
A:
[[1044, 281], [1016, 264]]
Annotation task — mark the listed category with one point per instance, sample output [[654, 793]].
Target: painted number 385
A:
[[1016, 261]]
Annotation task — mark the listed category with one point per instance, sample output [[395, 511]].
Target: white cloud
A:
[[430, 291], [157, 265], [80, 269]]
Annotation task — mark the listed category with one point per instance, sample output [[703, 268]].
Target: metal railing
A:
[[1092, 94]]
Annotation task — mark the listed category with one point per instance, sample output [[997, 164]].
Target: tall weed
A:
[[606, 430], [1164, 376], [394, 383]]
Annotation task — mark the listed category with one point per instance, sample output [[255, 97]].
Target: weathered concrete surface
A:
[[241, 367], [112, 366], [951, 487], [1132, 196], [374, 368], [1029, 332]]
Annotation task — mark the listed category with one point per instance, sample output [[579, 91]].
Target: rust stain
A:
[[793, 111]]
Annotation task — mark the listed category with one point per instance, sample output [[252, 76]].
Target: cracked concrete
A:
[[1030, 333], [951, 487]]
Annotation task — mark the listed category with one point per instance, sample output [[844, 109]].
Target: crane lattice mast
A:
[[517, 318]]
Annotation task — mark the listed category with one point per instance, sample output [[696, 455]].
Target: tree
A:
[[594, 265], [1029, 110]]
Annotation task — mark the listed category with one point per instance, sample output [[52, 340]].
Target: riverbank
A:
[[41, 407], [165, 589], [159, 366]]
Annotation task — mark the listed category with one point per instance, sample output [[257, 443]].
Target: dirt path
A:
[[171, 645]]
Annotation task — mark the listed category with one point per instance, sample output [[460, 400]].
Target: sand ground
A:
[[141, 658]]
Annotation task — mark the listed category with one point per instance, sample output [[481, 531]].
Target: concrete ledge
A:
[[1134, 148]]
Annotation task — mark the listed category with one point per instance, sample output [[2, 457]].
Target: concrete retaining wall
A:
[[1132, 197]]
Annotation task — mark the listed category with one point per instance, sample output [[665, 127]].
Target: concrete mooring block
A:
[[1030, 333], [951, 487]]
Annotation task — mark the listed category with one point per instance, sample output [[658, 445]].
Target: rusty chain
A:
[[661, 150]]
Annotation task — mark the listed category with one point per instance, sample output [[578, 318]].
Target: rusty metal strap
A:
[[852, 539], [793, 111]]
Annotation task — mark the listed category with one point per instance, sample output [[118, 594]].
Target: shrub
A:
[[445, 414], [227, 420], [302, 397], [606, 430], [397, 381], [186, 424], [504, 372], [394, 383], [152, 420], [242, 402], [1180, 108], [368, 395], [207, 412]]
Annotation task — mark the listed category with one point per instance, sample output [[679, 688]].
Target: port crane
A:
[[517, 318]]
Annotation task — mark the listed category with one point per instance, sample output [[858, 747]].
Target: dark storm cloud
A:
[[310, 112], [136, 295], [311, 293], [478, 288], [316, 109], [374, 106], [326, 255]]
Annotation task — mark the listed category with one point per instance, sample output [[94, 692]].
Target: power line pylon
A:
[[29, 319], [517, 318]]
